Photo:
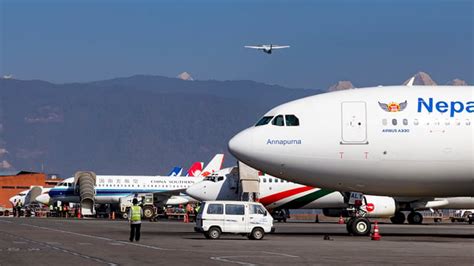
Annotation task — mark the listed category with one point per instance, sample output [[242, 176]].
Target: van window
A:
[[256, 209], [292, 120], [265, 120], [278, 121], [215, 209], [234, 209], [220, 178]]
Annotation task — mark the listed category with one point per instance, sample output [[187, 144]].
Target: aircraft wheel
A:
[[125, 215], [398, 218], [148, 212], [349, 224], [415, 218], [360, 226]]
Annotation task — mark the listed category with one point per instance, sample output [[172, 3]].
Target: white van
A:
[[237, 217]]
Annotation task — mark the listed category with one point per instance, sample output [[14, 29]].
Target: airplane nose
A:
[[197, 191], [241, 145], [43, 198]]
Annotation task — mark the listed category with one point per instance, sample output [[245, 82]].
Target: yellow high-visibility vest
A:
[[136, 213]]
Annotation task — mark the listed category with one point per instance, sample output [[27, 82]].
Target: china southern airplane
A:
[[278, 194], [267, 48], [405, 141], [110, 188]]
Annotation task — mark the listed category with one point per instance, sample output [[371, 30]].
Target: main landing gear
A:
[[415, 218], [398, 218]]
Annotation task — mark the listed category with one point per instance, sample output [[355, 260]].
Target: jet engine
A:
[[379, 206]]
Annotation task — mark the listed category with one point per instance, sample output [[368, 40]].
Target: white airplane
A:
[[279, 194], [110, 188], [267, 48], [20, 197], [404, 141]]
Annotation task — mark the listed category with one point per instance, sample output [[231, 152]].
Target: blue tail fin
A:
[[177, 171]]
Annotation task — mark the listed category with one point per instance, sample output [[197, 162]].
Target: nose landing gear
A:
[[359, 226]]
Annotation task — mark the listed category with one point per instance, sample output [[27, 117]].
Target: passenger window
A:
[[264, 180], [405, 122], [384, 122], [270, 180], [256, 209], [292, 121], [234, 209], [394, 122], [278, 121], [265, 120], [215, 209], [468, 122], [415, 122]]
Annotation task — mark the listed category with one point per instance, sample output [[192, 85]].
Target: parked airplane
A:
[[110, 188], [20, 197], [267, 48], [194, 170], [279, 194], [404, 141]]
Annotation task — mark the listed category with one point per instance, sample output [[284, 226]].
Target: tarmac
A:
[[52, 241]]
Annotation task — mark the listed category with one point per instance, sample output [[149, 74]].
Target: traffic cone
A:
[[341, 220], [79, 214], [376, 235], [113, 215]]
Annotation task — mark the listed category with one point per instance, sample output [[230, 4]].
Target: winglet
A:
[[411, 81]]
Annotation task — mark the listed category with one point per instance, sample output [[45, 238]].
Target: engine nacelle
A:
[[379, 206]]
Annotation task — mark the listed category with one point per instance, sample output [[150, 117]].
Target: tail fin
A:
[[214, 165], [176, 171], [195, 169]]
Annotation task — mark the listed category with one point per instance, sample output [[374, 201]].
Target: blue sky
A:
[[367, 42]]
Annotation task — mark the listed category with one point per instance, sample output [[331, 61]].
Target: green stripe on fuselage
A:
[[305, 200]]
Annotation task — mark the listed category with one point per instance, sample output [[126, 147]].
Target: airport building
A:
[[13, 182]]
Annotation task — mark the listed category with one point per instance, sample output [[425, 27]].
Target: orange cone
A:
[[376, 235], [113, 215], [341, 220]]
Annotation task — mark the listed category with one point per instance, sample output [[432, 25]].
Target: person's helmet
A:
[[135, 201]]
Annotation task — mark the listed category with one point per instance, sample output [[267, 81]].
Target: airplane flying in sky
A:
[[280, 194], [267, 48], [403, 141], [110, 188]]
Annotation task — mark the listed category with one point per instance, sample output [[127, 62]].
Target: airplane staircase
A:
[[34, 192], [85, 186]]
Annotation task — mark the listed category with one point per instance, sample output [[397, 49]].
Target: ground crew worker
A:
[[135, 219], [18, 208], [198, 207]]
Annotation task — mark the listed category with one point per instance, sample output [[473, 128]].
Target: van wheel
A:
[[213, 233], [125, 215], [148, 212], [257, 234]]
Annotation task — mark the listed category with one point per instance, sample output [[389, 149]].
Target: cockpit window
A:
[[265, 120], [278, 121], [292, 120]]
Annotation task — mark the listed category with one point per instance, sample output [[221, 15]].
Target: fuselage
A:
[[110, 188], [394, 141]]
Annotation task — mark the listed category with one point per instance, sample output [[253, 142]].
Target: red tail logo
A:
[[195, 169]]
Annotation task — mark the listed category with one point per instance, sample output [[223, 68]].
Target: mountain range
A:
[[141, 124]]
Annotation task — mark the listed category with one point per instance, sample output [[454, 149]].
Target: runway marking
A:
[[44, 244], [281, 254], [95, 237], [227, 258]]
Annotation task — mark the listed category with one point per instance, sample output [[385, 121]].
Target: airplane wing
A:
[[280, 46], [255, 47]]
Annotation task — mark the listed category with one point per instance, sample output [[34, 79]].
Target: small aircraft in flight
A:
[[267, 48]]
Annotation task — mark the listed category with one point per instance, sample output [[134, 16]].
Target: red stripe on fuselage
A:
[[281, 195]]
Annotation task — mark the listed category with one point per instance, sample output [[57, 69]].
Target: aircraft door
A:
[[354, 123]]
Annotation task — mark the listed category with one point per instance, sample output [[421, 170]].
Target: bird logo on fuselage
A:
[[393, 107]]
